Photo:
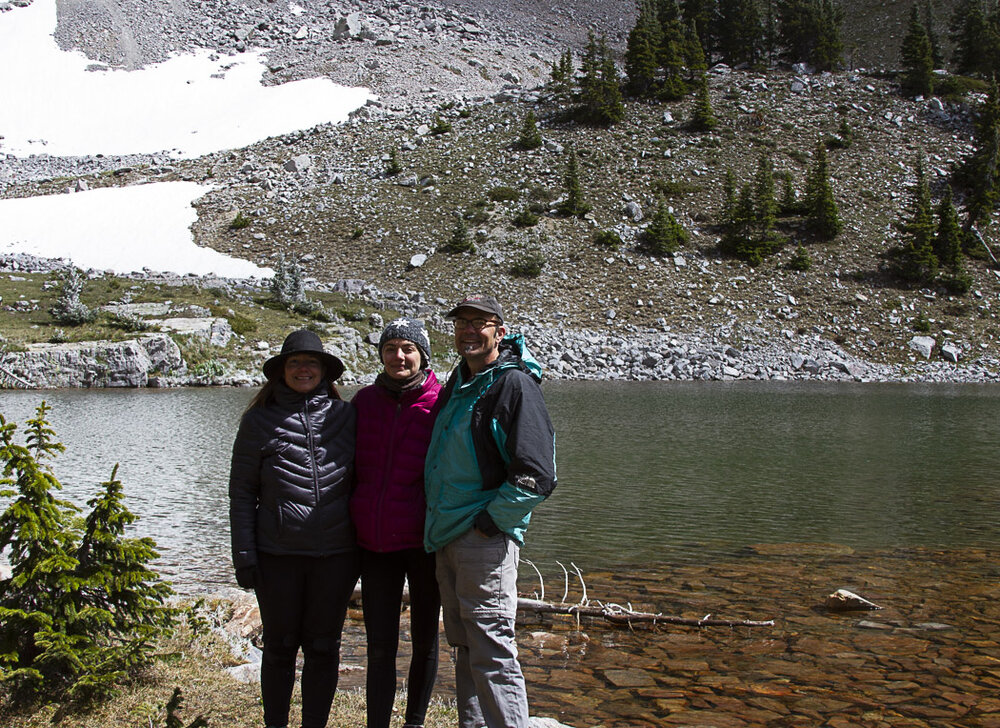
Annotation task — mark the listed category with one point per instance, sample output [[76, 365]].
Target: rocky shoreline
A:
[[725, 353]]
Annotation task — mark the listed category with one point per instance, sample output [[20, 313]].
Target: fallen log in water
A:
[[616, 614]]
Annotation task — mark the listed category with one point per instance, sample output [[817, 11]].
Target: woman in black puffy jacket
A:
[[293, 543]]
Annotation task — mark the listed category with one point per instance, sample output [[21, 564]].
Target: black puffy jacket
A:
[[291, 475]]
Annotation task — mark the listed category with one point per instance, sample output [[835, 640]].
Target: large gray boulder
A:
[[95, 363]]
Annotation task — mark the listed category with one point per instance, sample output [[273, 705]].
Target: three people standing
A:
[[445, 483]]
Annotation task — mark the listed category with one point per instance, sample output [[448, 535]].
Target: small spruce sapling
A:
[[69, 310]]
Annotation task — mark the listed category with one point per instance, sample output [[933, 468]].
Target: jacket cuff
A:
[[484, 523]]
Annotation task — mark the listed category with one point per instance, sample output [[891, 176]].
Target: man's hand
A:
[[485, 526]]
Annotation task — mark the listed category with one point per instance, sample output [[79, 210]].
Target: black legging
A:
[[381, 596], [303, 602]]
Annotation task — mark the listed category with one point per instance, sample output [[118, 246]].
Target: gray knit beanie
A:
[[411, 330]]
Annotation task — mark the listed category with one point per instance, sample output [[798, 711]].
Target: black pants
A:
[[382, 577], [303, 603]]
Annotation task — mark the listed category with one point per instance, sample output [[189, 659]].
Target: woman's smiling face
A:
[[303, 372]]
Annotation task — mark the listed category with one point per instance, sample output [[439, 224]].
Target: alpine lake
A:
[[738, 501]]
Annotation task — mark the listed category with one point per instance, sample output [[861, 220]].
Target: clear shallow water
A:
[[650, 473]]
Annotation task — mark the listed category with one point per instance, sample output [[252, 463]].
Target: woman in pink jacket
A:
[[395, 417]]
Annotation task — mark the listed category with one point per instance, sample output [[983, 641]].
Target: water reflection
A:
[[649, 472]]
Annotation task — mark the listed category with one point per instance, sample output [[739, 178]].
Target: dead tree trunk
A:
[[618, 615]]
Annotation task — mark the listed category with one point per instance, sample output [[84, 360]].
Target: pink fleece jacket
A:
[[388, 502]]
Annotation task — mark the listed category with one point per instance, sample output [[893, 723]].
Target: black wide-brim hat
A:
[[303, 341]]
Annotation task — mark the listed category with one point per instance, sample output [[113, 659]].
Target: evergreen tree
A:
[[765, 203], [123, 597], [460, 240], [531, 137], [980, 173], [822, 216], [916, 260], [702, 114], [801, 260], [393, 167], [948, 239], [600, 92], [288, 286], [694, 52], [728, 195], [797, 29], [829, 52], [974, 39], [36, 531], [663, 234], [671, 60], [918, 61], [770, 38], [69, 309], [79, 611], [574, 203], [700, 13], [612, 109], [739, 237], [562, 73], [640, 54], [937, 55], [789, 200], [740, 31], [809, 31]]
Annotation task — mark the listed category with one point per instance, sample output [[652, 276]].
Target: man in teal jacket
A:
[[491, 461]]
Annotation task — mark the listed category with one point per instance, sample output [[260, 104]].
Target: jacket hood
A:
[[514, 352]]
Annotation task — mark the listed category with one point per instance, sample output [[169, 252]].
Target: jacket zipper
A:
[[311, 440], [385, 477]]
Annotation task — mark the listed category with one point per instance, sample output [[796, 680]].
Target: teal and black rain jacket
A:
[[491, 458]]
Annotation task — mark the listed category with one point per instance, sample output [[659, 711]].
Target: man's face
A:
[[477, 335]]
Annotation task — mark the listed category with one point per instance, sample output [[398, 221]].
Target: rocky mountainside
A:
[[456, 80]]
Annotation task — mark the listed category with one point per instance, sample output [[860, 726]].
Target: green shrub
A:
[[608, 239], [664, 234], [209, 369], [503, 193], [129, 322], [958, 284], [242, 325], [800, 261], [528, 265], [287, 286], [239, 222], [956, 88], [81, 610], [525, 218], [530, 137], [440, 126], [672, 188]]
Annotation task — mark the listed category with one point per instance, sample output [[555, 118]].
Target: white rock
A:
[[923, 345]]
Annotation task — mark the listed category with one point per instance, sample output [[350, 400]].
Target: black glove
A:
[[246, 576]]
